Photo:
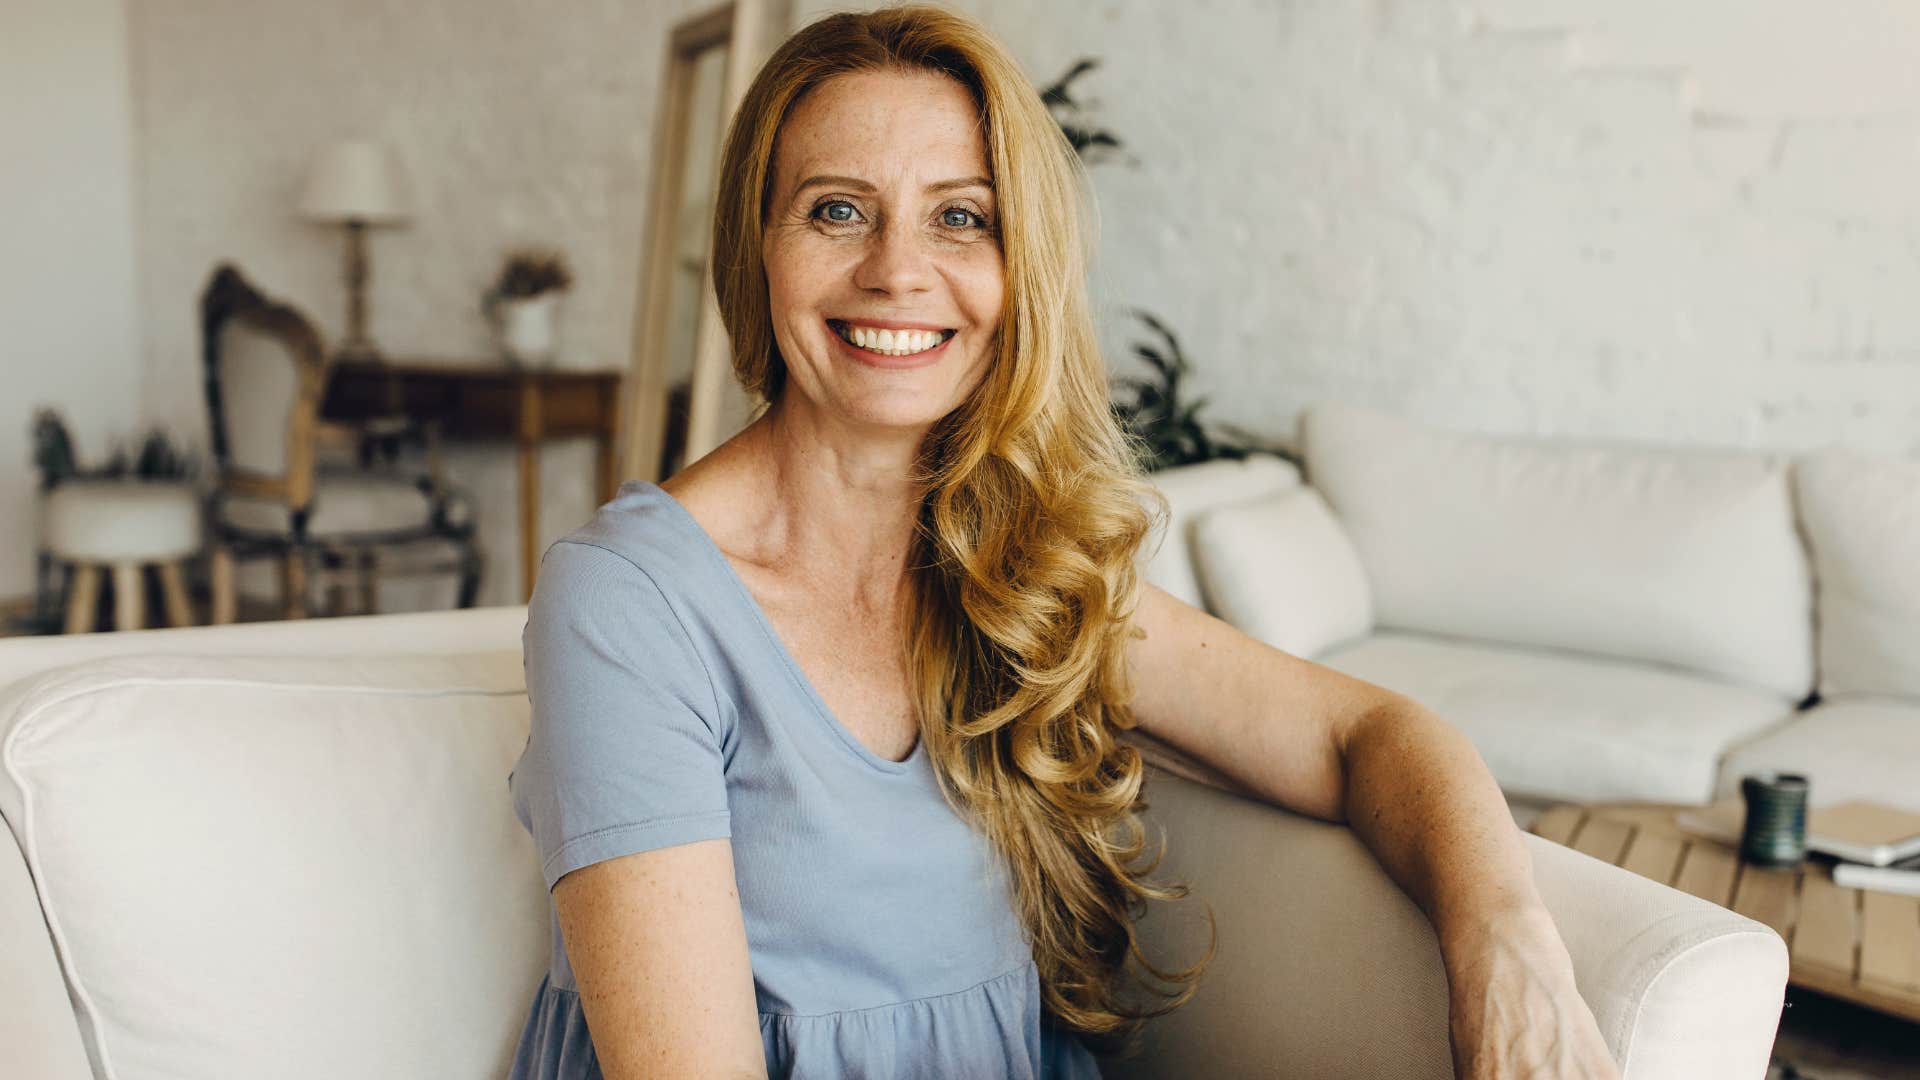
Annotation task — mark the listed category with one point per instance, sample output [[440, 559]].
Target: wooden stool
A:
[[121, 526]]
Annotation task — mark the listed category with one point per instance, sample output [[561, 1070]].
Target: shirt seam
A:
[[679, 622], [1014, 970], [634, 826]]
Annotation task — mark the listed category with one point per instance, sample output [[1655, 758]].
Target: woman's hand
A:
[[1514, 1007]]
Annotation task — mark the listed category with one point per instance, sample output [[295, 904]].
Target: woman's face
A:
[[882, 249]]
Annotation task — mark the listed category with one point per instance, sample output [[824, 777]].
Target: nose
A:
[[897, 262]]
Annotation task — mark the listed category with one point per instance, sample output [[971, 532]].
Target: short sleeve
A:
[[625, 749]]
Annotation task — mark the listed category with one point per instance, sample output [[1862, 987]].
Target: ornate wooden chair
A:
[[284, 488]]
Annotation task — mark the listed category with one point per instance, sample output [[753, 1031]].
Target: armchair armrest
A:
[[1325, 968]]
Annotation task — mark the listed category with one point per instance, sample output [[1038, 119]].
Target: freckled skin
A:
[[897, 251]]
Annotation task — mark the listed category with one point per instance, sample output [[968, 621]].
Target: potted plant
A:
[[1165, 427], [522, 303]]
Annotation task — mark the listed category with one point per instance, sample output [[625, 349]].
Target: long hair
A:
[[1022, 587]]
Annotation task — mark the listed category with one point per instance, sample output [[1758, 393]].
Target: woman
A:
[[823, 771]]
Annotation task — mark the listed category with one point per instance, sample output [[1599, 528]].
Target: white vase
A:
[[525, 326]]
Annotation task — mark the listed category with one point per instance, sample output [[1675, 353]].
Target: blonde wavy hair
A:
[[1023, 588]]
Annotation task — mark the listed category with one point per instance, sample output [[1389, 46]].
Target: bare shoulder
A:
[[720, 491]]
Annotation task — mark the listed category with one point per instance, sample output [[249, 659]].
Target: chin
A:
[[898, 411]]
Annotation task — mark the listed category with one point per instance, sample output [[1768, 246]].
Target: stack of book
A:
[[1873, 846]]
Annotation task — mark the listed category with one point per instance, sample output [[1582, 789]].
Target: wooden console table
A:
[[490, 402], [1855, 944]]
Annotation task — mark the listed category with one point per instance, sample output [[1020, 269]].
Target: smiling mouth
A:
[[889, 342]]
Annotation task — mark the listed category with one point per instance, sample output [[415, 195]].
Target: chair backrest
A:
[[265, 370]]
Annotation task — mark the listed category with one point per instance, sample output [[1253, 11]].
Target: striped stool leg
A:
[[174, 588], [83, 593], [129, 606]]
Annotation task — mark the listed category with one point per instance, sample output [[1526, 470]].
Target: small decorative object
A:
[[522, 303], [1776, 826], [356, 183], [158, 458]]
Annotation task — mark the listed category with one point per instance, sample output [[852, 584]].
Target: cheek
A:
[[982, 288]]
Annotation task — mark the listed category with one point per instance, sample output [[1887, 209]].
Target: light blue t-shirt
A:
[[880, 926]]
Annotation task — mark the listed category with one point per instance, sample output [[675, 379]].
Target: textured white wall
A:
[[518, 124], [68, 324], [1688, 224]]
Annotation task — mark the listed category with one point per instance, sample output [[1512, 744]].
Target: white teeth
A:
[[893, 342]]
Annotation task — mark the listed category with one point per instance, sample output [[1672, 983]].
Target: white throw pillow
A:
[[1191, 490], [1282, 570], [1675, 556], [298, 867], [1862, 517]]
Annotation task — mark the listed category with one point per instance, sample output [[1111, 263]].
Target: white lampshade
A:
[[356, 180]]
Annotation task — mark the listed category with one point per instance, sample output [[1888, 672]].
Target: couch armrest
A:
[[1327, 969], [38, 1036]]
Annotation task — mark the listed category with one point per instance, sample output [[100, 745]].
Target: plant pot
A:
[[525, 327]]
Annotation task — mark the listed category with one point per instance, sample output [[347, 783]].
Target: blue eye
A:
[[955, 218], [831, 211]]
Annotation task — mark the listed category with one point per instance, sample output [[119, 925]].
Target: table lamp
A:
[[356, 183]]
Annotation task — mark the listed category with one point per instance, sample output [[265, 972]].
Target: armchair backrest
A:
[[265, 370]]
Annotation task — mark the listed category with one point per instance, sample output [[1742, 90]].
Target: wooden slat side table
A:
[[1855, 944], [481, 402]]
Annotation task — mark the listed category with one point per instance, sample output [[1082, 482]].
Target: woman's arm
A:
[[1313, 740], [658, 944]]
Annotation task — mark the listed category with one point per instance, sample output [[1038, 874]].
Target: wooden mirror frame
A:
[[748, 30]]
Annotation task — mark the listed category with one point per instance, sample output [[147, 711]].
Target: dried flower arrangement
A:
[[531, 273]]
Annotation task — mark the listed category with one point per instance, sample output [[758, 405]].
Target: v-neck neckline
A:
[[778, 644]]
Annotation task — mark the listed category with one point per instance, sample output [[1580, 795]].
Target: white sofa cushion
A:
[[1567, 727], [1281, 569], [1688, 558], [290, 867], [1191, 490], [1852, 748], [1862, 517]]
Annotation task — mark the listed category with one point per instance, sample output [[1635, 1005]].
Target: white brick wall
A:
[[1689, 223]]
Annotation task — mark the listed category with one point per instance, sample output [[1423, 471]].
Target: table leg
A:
[[529, 517], [603, 473], [532, 430]]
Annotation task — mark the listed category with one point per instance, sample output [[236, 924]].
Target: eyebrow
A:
[[857, 184]]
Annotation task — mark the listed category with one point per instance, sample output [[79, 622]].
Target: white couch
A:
[[1605, 621], [287, 850]]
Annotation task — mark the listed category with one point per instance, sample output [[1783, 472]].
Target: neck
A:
[[840, 502]]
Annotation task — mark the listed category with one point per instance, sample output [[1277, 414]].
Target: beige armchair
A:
[[303, 491]]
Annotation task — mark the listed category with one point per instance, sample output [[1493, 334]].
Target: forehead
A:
[[882, 124]]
